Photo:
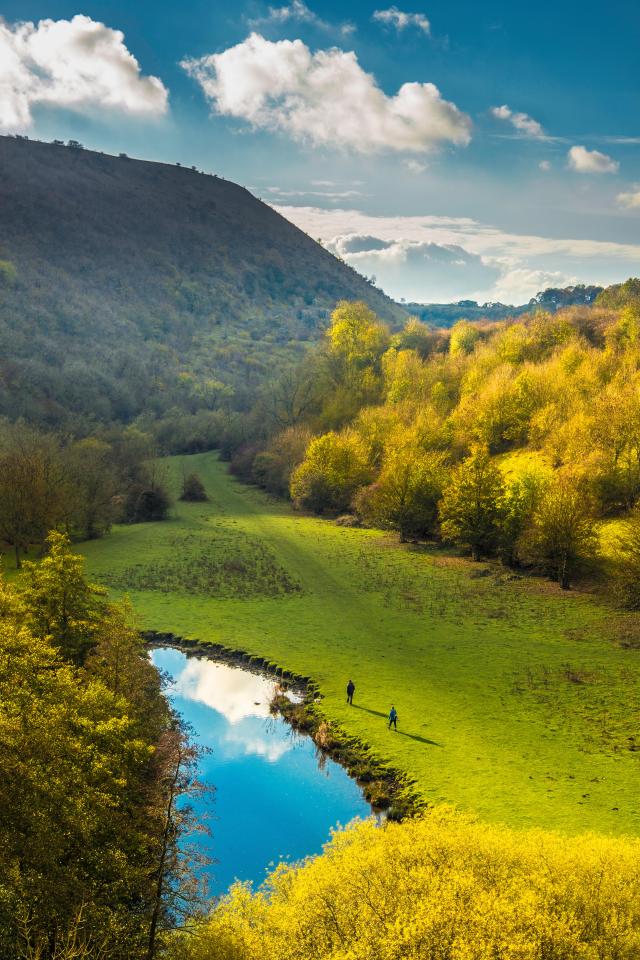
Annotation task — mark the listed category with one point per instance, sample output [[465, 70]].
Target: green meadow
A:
[[515, 700]]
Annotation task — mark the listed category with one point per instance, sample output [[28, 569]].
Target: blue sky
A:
[[452, 149]]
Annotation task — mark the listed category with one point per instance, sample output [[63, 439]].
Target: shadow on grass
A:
[[412, 736]]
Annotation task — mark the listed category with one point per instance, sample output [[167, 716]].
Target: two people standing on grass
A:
[[393, 714]]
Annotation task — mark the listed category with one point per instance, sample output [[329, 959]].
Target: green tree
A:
[[59, 602], [562, 535], [334, 467], [405, 496], [193, 489], [472, 506], [92, 477]]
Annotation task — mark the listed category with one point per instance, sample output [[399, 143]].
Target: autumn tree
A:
[[406, 494], [334, 467], [472, 507], [562, 535]]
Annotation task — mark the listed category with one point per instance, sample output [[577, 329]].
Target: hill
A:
[[130, 286]]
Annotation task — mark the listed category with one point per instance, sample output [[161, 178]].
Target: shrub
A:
[[193, 489], [444, 887]]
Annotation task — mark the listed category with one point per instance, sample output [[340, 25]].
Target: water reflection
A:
[[272, 800]]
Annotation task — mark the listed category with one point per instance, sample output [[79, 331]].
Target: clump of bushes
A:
[[193, 489], [440, 886], [146, 503]]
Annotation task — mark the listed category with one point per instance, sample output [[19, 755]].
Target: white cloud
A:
[[545, 165], [401, 20], [298, 12], [630, 200], [328, 194], [512, 267], [591, 161], [423, 272], [78, 64], [325, 98], [518, 285], [522, 122], [414, 166]]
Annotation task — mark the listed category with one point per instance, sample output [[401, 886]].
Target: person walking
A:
[[393, 718], [351, 689]]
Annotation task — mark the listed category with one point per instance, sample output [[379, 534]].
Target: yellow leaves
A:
[[440, 888]]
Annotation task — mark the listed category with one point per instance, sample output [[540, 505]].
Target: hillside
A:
[[120, 276]]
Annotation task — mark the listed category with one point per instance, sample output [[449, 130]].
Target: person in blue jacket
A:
[[393, 718], [351, 689]]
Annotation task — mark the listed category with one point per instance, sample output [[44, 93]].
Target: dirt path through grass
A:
[[512, 702]]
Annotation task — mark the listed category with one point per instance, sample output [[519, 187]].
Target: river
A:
[[273, 800]]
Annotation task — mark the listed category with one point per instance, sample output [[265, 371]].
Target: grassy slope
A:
[[491, 717]]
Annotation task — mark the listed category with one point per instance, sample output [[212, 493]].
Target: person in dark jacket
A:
[[393, 718], [351, 689]]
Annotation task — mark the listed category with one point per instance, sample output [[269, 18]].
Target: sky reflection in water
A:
[[272, 800]]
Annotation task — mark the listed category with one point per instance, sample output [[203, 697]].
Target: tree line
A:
[[80, 486], [518, 440], [94, 853]]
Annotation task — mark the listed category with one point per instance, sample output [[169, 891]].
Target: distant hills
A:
[[551, 299], [126, 284]]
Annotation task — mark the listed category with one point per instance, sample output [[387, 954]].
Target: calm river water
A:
[[272, 800]]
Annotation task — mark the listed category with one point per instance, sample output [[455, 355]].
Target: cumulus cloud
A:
[[545, 165], [591, 161], [505, 266], [630, 200], [325, 98], [523, 123], [518, 285], [78, 64], [423, 272], [400, 20]]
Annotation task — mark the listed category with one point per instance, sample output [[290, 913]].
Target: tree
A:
[[562, 535], [92, 476], [193, 489], [626, 580], [463, 339], [60, 604], [405, 496], [34, 493], [334, 467], [472, 505], [522, 495]]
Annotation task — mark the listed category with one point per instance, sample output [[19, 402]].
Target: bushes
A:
[[406, 494], [193, 489], [334, 467], [146, 503], [444, 888]]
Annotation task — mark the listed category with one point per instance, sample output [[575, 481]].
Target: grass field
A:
[[514, 700]]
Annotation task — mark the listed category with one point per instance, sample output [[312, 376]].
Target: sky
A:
[[453, 150]]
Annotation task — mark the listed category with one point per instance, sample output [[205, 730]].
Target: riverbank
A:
[[515, 701], [383, 788]]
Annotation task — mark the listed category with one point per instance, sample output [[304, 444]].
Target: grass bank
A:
[[515, 701]]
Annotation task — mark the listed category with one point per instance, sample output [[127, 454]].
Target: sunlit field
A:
[[515, 700]]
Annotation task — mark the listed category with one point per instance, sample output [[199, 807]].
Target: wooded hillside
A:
[[127, 286]]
